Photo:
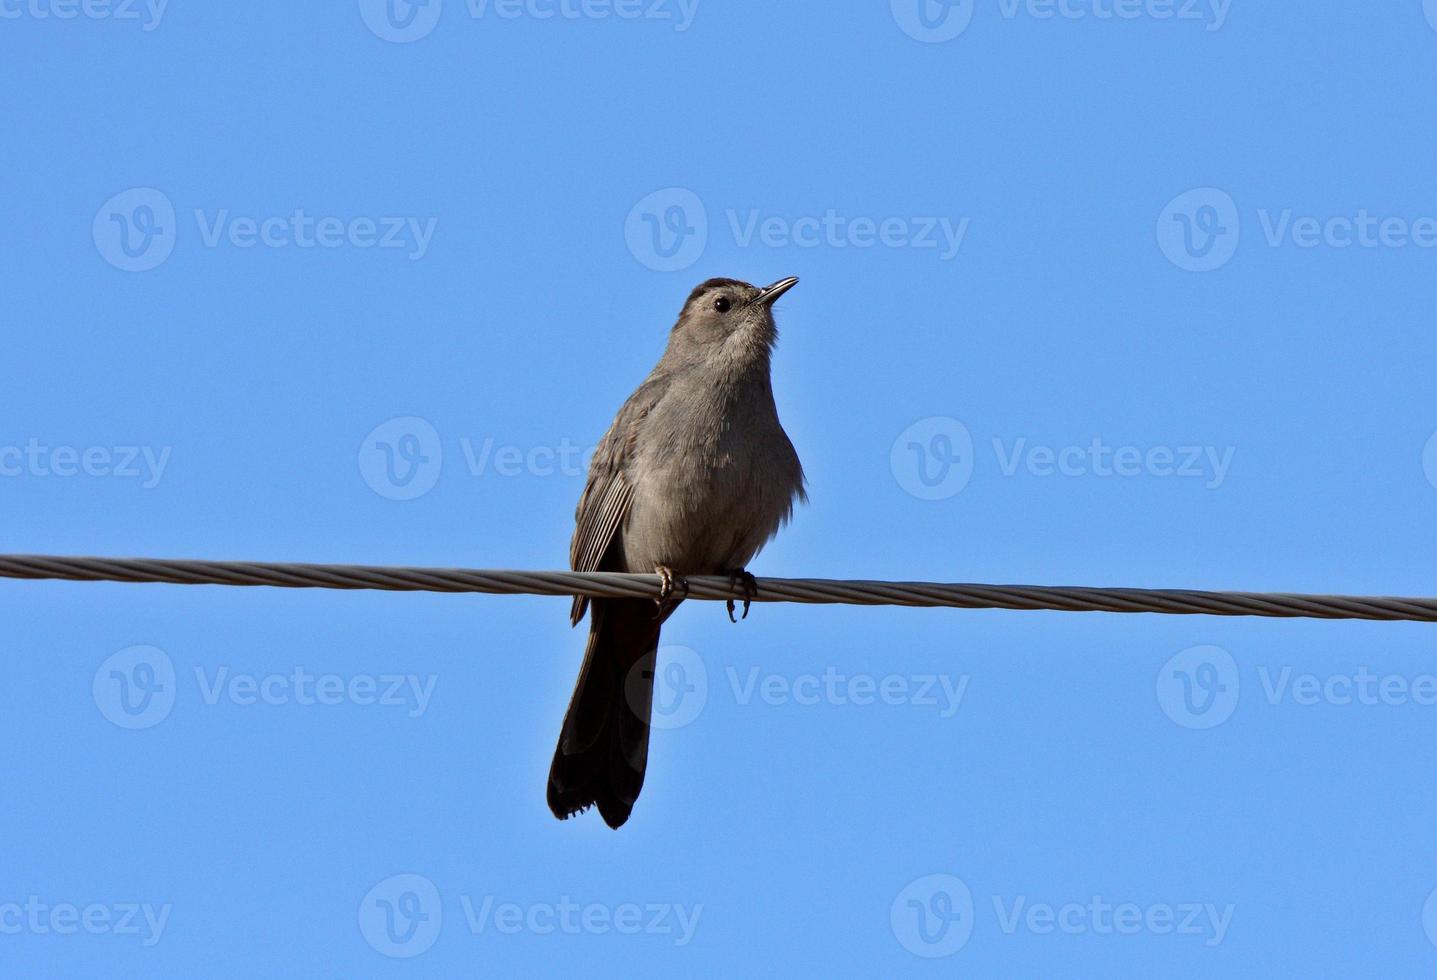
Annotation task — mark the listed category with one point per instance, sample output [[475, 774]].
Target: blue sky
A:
[[1119, 292]]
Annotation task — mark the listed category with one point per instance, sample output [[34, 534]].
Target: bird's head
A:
[[729, 317]]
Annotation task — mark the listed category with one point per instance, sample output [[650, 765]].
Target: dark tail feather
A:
[[604, 745]]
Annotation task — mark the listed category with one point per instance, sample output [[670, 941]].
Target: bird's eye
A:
[[722, 304]]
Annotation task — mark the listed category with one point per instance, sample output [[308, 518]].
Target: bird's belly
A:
[[700, 520]]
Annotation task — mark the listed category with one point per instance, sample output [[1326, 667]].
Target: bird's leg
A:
[[750, 590], [667, 578]]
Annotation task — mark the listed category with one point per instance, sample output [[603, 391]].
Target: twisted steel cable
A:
[[808, 590]]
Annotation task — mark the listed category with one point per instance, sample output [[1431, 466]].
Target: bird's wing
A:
[[604, 505]]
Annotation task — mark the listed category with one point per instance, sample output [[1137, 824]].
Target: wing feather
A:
[[608, 494], [599, 523]]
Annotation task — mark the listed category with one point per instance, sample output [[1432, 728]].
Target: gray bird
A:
[[693, 477]]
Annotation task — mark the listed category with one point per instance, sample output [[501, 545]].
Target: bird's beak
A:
[[768, 294]]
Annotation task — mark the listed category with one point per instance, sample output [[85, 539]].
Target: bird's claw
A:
[[667, 578], [750, 590]]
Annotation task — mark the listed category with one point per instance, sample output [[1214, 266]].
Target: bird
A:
[[694, 477]]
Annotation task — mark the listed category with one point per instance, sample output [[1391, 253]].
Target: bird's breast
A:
[[707, 495]]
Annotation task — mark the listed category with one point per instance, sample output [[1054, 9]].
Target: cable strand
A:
[[609, 585]]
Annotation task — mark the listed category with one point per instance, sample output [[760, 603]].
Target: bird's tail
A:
[[604, 744]]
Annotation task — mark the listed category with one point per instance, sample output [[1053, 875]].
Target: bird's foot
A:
[[667, 580], [750, 590]]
